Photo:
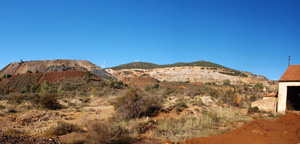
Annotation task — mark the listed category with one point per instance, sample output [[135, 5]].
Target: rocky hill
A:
[[201, 71]]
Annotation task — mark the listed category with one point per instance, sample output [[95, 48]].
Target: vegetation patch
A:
[[62, 128], [136, 103]]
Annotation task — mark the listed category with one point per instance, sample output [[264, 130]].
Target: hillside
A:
[[33, 81], [51, 65], [200, 71], [204, 64], [146, 65]]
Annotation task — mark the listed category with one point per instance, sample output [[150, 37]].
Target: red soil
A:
[[285, 130], [59, 75], [18, 82]]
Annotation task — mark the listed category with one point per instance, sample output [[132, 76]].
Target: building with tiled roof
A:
[[289, 90]]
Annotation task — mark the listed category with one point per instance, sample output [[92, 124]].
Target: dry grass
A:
[[14, 132], [207, 123], [62, 128], [107, 133]]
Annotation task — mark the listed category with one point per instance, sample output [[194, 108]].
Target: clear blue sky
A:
[[249, 35]]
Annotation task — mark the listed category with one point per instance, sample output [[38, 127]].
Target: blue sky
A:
[[249, 35]]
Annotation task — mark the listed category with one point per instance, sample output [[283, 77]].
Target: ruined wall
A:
[[268, 105]]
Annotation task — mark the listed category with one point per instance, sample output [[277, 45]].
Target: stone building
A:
[[289, 90]]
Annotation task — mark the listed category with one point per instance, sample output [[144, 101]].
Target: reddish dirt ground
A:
[[59, 75], [18, 82], [285, 130]]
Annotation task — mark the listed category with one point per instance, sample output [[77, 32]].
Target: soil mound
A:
[[289, 119], [284, 130]]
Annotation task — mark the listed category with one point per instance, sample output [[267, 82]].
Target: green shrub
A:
[[115, 84], [62, 128], [88, 74], [155, 86], [136, 103], [35, 88], [28, 71]]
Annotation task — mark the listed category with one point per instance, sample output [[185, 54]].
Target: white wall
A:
[[282, 95]]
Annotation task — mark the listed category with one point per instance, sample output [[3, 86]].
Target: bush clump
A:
[[115, 84], [253, 109], [107, 133], [49, 101], [62, 128], [136, 103], [17, 99]]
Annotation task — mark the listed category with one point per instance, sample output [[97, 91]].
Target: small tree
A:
[[88, 74], [155, 86], [29, 71]]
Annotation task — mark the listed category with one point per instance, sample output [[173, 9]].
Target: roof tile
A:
[[292, 74]]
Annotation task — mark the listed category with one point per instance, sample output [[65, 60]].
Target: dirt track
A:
[[285, 130]]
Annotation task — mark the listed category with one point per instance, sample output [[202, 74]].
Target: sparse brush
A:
[[107, 133], [49, 101], [62, 128], [17, 99], [136, 103]]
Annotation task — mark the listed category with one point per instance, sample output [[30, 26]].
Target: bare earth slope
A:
[[47, 66]]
